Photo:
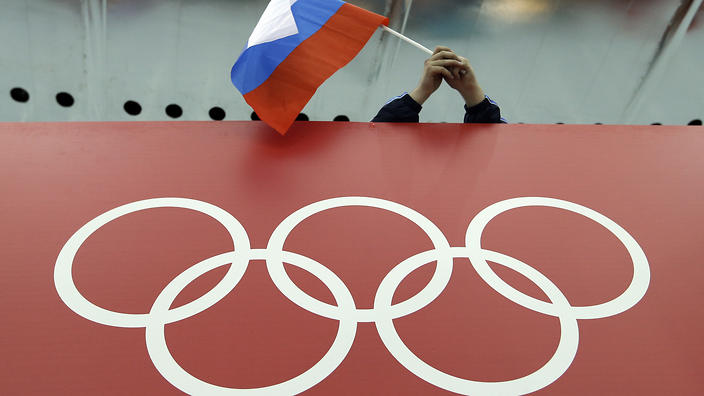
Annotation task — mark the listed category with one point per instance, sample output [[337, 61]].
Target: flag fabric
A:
[[295, 47]]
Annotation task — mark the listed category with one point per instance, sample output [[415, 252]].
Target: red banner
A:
[[343, 258]]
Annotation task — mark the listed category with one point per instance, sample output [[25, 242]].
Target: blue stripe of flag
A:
[[257, 63]]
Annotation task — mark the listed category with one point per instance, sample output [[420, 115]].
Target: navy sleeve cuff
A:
[[411, 103], [399, 109], [478, 108], [485, 112]]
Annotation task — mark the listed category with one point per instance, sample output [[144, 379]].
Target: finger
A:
[[464, 62], [446, 55], [446, 63], [441, 48], [439, 70], [466, 68], [456, 70]]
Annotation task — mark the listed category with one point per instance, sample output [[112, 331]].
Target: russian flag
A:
[[295, 47]]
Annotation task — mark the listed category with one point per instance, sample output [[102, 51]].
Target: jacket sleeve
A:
[[486, 112], [405, 109], [400, 109]]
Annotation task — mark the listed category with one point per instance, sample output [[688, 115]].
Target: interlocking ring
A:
[[345, 311]]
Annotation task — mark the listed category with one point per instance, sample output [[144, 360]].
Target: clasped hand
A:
[[455, 70]]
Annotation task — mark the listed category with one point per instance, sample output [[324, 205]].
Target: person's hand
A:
[[465, 82], [437, 68]]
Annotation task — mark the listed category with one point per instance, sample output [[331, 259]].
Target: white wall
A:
[[545, 61]]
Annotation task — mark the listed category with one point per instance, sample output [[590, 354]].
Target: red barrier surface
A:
[[570, 217]]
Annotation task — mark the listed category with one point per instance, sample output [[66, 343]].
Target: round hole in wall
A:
[[695, 122], [19, 95], [255, 117], [342, 118], [217, 114], [656, 123], [174, 111], [302, 117], [560, 123], [64, 99], [132, 108]]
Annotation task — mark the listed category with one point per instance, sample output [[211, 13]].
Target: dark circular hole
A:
[[560, 123], [174, 111], [302, 117], [656, 123], [598, 123], [695, 122], [217, 114], [255, 117], [19, 95], [64, 99], [342, 118], [132, 108]]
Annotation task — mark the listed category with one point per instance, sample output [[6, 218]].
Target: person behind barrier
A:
[[456, 71]]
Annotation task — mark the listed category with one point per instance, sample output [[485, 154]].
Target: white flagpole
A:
[[406, 39]]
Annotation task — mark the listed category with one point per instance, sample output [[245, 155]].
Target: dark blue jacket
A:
[[405, 109]]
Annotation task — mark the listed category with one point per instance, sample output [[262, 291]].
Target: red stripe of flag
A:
[[280, 99]]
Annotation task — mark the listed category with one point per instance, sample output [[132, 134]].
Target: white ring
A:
[[552, 370], [635, 291], [278, 274], [65, 286], [181, 379], [383, 313]]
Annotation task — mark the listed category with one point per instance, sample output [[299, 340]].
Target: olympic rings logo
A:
[[345, 311]]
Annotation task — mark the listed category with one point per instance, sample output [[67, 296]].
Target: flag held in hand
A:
[[295, 47]]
